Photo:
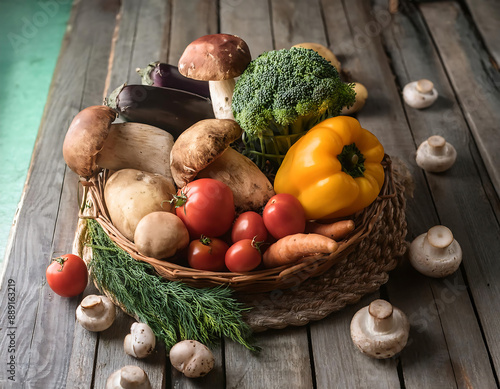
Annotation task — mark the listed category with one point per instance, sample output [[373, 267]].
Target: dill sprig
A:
[[173, 310]]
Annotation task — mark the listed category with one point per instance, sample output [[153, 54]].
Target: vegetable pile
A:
[[217, 192]]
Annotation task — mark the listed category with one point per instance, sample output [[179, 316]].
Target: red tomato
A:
[[67, 275], [206, 206], [207, 254], [249, 225], [284, 215], [243, 256]]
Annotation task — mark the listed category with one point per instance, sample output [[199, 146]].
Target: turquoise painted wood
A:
[[30, 39]]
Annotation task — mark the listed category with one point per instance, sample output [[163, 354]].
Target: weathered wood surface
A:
[[454, 336]]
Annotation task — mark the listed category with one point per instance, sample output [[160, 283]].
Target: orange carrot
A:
[[293, 248], [337, 231]]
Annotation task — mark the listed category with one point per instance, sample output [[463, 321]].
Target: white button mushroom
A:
[[420, 94], [128, 377], [436, 155], [435, 253], [380, 330], [192, 358], [96, 313], [140, 342]]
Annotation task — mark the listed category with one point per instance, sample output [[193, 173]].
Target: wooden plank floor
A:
[[454, 338]]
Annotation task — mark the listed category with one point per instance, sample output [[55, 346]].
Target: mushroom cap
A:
[[160, 234], [85, 138], [435, 253], [215, 57], [140, 342], [324, 51], [199, 145], [96, 313], [435, 155], [420, 94], [380, 330], [128, 377], [192, 358]]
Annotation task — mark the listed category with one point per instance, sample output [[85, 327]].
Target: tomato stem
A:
[[60, 261], [256, 244], [178, 200]]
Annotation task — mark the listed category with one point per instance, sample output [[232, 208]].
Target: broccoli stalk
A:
[[281, 95]]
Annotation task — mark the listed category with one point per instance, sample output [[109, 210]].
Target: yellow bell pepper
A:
[[334, 169]]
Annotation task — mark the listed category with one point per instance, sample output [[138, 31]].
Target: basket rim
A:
[[254, 281]]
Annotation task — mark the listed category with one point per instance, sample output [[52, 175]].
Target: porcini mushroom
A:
[[93, 142], [199, 146], [128, 377], [436, 253], [140, 342], [192, 358], [435, 154], [218, 59], [380, 330], [420, 94], [96, 313], [160, 235], [324, 51], [361, 96]]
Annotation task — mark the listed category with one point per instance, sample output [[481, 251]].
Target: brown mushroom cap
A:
[[199, 145], [215, 57], [85, 138]]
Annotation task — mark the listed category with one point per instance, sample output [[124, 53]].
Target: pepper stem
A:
[[352, 161]]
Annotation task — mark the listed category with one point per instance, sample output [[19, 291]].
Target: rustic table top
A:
[[454, 338]]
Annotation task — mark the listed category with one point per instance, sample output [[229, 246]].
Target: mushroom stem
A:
[[425, 86], [437, 145], [381, 313], [93, 306], [221, 94], [438, 239]]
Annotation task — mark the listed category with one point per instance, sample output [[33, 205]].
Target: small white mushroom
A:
[[140, 342], [420, 94], [380, 330], [128, 377], [96, 313], [435, 253], [436, 155], [192, 358]]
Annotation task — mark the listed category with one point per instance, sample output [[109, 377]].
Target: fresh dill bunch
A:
[[173, 310]]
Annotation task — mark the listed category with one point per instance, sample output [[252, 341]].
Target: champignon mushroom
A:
[[199, 146], [192, 358], [380, 330], [131, 194], [361, 96], [218, 59], [93, 142], [420, 94], [436, 253], [324, 51], [140, 342], [128, 377], [96, 313], [435, 154], [160, 235]]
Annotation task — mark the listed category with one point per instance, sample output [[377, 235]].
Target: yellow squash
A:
[[334, 169]]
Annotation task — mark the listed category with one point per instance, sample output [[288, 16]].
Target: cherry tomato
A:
[[67, 275], [284, 215], [249, 225], [207, 254], [206, 206], [243, 256]]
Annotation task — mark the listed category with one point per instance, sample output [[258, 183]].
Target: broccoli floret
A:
[[286, 92]]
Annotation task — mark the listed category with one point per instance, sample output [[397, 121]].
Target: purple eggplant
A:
[[165, 75], [170, 109]]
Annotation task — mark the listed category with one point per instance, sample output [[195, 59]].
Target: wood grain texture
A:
[[486, 16], [473, 77], [40, 313]]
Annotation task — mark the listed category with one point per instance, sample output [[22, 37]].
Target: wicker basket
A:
[[378, 239]]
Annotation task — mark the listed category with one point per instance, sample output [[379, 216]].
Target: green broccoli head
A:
[[288, 91]]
